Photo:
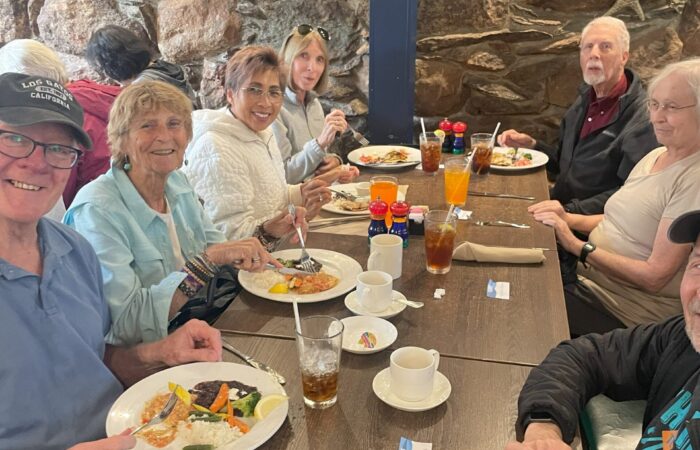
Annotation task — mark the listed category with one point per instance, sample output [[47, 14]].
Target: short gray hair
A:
[[623, 36], [31, 57], [688, 69]]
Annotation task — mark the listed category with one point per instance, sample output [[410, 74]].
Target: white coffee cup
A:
[[412, 371], [386, 254], [362, 189], [374, 290]]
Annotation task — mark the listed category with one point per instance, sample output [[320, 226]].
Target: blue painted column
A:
[[392, 70]]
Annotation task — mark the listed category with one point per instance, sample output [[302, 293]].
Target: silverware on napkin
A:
[[491, 194], [500, 223], [253, 362]]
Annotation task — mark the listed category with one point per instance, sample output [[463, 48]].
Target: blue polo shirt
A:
[[55, 390]]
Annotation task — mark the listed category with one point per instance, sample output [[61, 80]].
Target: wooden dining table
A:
[[487, 346]]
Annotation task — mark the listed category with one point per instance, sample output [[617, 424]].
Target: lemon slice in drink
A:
[[441, 134], [267, 404]]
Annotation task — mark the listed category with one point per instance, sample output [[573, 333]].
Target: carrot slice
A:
[[221, 399]]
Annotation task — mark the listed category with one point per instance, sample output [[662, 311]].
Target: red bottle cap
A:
[[459, 127], [445, 124], [378, 207], [400, 208]]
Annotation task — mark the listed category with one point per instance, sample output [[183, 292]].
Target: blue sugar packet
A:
[[407, 444], [498, 289]]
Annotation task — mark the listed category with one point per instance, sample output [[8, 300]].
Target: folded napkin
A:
[[468, 251]]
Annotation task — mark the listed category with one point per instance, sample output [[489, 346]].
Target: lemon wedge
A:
[[181, 393], [279, 288], [267, 404], [441, 134]]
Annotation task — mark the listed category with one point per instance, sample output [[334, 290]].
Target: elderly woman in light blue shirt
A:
[[156, 246]]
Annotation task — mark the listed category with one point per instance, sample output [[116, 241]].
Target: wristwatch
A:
[[588, 247], [538, 417]]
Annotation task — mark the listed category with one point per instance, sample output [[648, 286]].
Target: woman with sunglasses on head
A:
[[234, 164], [303, 134]]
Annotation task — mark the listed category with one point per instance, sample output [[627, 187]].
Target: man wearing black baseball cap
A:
[[659, 363], [53, 315]]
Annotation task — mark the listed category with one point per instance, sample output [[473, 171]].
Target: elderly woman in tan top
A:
[[629, 272]]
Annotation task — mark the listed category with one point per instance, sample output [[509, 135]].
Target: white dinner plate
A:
[[334, 263], [126, 411], [353, 304], [538, 159], [379, 150], [354, 326], [381, 385], [350, 188]]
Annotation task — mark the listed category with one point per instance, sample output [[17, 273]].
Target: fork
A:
[[162, 415], [305, 261], [358, 137], [500, 223], [345, 195], [514, 158]]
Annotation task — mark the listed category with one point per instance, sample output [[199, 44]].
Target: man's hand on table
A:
[[513, 138], [540, 436]]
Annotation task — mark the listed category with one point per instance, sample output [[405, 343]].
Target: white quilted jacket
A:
[[237, 172]]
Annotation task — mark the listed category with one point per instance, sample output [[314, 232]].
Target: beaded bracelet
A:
[[190, 286], [267, 240], [204, 274]]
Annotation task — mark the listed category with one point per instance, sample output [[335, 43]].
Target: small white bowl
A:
[[362, 189], [384, 330]]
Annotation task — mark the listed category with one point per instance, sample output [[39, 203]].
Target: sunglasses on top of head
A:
[[305, 29]]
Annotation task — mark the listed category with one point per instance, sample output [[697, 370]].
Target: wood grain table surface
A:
[[465, 323], [479, 414]]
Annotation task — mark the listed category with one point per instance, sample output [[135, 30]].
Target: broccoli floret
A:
[[528, 156], [246, 405]]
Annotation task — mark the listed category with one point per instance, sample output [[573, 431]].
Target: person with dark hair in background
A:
[[126, 58]]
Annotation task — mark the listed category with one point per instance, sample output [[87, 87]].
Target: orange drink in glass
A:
[[386, 188], [456, 181]]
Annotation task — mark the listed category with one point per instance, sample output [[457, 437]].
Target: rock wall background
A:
[[510, 60]]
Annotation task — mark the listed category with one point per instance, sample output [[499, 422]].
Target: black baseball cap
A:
[[685, 228], [28, 100]]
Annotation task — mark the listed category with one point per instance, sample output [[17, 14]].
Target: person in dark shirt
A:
[[604, 133], [658, 362]]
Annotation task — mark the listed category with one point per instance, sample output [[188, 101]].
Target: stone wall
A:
[[507, 60]]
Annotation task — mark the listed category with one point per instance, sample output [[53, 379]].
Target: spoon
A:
[[410, 303]]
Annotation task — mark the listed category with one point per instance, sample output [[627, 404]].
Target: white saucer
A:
[[353, 304], [382, 389], [384, 331]]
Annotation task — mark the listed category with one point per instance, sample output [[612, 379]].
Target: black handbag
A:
[[211, 300]]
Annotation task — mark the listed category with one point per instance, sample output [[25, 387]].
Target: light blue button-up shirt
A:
[[55, 389], [135, 251]]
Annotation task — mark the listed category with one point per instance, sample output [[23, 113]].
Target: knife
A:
[[287, 270], [254, 363], [491, 194]]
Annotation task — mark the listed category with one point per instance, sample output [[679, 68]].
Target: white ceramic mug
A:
[[374, 290], [386, 254], [412, 372], [362, 189]]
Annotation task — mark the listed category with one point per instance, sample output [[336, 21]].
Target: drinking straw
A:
[[296, 314], [493, 137], [449, 212], [422, 125]]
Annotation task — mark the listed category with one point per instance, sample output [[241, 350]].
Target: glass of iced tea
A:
[[440, 233], [320, 343], [386, 188], [430, 152], [456, 180], [482, 148]]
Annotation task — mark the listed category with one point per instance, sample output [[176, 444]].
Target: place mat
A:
[[355, 228], [469, 251]]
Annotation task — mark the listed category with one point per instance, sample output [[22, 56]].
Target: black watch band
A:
[[586, 250]]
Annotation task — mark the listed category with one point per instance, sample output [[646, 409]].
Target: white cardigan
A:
[[237, 172]]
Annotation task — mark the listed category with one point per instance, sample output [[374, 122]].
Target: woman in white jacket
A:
[[233, 161]]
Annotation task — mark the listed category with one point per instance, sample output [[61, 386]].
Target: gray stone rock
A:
[[689, 28], [452, 40], [192, 29], [439, 89], [15, 20], [212, 94], [78, 68], [485, 61], [653, 49], [66, 25]]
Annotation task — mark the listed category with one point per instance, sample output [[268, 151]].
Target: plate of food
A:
[[357, 207], [250, 407], [508, 158], [336, 276], [385, 156]]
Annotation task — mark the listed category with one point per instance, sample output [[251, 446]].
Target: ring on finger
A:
[[256, 259]]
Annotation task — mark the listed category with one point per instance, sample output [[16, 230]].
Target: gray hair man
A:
[[606, 130]]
